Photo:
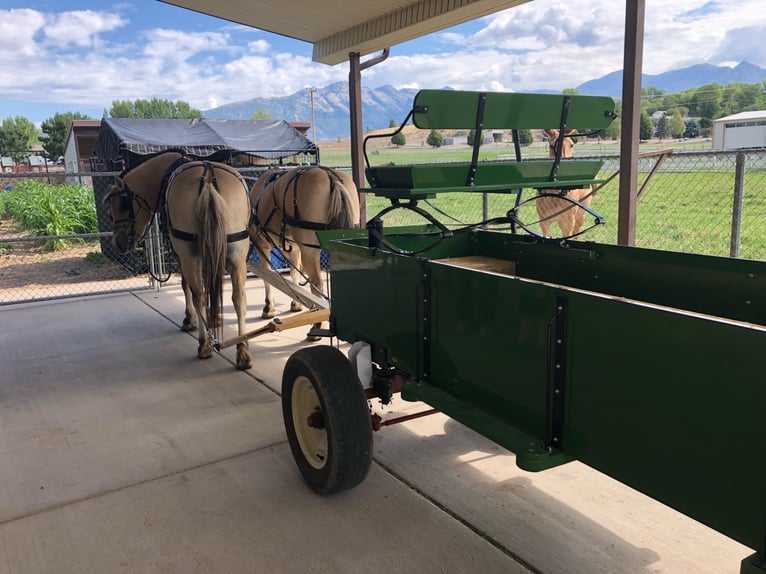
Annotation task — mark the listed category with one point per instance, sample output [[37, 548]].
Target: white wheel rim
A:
[[313, 441]]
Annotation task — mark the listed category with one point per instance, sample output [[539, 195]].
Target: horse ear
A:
[[551, 133], [568, 131]]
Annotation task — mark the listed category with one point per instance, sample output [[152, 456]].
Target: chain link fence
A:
[[706, 202], [36, 267]]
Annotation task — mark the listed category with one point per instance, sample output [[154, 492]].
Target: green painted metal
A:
[[418, 181], [662, 386], [451, 109]]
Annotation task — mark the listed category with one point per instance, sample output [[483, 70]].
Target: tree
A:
[[434, 139], [646, 129], [708, 100], [398, 139], [56, 130], [570, 91], [17, 136], [154, 108], [471, 137], [692, 129], [526, 137], [392, 123], [676, 125], [261, 114], [662, 131]]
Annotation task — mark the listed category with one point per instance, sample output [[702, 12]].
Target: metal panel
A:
[[338, 27], [664, 399]]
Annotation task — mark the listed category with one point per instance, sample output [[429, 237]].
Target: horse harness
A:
[[181, 165], [287, 219], [127, 197]]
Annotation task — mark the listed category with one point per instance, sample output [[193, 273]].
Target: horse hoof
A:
[[186, 327], [243, 360], [313, 338], [205, 352], [268, 314], [295, 307]]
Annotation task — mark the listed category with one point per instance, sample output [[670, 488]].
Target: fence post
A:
[[736, 212]]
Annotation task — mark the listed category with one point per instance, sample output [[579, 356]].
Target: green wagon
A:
[[642, 364]]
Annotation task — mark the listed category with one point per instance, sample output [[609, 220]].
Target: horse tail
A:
[[211, 227], [341, 214]]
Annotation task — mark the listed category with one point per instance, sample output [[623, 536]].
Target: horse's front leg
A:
[[238, 273]]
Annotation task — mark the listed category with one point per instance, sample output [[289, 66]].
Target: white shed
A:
[[745, 129]]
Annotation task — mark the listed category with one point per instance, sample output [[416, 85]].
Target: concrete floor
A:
[[122, 452]]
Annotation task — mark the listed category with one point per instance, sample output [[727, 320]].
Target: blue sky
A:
[[80, 55]]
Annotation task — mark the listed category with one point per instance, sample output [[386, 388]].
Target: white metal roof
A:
[[743, 116], [339, 27]]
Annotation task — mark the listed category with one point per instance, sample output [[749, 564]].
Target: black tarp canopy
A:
[[127, 140]]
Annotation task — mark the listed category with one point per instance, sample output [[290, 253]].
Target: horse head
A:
[[130, 215], [567, 143]]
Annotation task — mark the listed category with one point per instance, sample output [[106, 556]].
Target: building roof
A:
[[339, 27], [744, 116], [272, 139]]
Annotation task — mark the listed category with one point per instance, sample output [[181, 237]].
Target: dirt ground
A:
[[29, 270]]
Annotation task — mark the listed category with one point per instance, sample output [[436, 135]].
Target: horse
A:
[[552, 210], [208, 211], [289, 207]]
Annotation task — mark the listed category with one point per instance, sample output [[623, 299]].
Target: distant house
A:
[[81, 145], [745, 129]]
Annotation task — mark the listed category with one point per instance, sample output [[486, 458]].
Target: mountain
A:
[[331, 111], [386, 103], [677, 80]]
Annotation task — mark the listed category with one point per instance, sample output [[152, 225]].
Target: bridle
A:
[[127, 199]]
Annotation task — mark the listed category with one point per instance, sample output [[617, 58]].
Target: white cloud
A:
[[17, 34], [79, 28]]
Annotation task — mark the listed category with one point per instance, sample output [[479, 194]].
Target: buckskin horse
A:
[[289, 207], [208, 211], [552, 210]]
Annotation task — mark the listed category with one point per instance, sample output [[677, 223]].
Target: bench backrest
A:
[[448, 109]]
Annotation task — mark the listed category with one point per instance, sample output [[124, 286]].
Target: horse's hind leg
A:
[[296, 264], [238, 273], [190, 314], [191, 272], [312, 265]]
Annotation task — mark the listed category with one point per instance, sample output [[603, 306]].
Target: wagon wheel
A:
[[327, 419]]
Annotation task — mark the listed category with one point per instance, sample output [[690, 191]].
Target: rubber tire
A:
[[339, 456]]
